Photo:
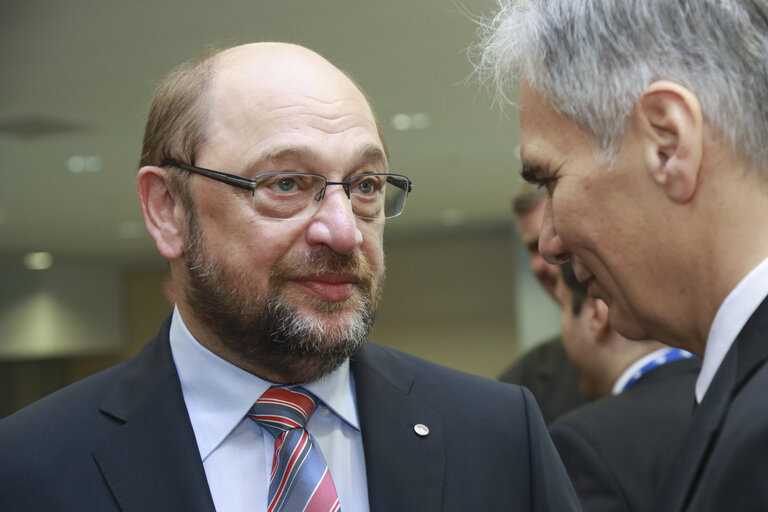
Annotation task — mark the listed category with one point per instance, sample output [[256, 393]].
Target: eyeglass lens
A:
[[293, 196]]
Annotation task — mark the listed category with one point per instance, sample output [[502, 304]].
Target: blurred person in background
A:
[[642, 393], [544, 369]]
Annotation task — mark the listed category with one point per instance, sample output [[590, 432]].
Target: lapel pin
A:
[[421, 430]]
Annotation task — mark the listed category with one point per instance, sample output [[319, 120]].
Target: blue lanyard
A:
[[672, 354]]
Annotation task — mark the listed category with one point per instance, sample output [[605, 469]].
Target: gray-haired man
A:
[[647, 123]]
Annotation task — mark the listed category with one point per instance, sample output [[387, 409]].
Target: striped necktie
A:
[[300, 479]]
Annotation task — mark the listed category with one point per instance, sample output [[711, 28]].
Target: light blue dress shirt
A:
[[236, 452]]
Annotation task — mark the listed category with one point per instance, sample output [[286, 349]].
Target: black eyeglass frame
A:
[[250, 183]]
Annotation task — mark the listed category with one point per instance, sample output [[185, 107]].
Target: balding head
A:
[[180, 120]]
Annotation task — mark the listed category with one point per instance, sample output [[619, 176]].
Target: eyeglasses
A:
[[297, 195]]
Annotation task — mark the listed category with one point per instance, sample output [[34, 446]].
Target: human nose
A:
[[334, 224], [551, 246]]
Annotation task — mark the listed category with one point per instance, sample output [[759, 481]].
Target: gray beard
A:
[[270, 332]]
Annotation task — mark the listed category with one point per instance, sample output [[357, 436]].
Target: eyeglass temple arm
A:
[[229, 179], [408, 188]]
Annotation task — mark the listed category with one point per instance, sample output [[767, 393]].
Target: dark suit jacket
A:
[[546, 371], [614, 448], [122, 440], [722, 463]]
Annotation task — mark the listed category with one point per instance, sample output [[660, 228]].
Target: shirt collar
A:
[[218, 394], [733, 313]]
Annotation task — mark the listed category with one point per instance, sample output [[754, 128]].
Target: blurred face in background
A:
[[578, 332], [530, 226]]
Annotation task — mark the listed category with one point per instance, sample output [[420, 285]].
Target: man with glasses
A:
[[264, 182]]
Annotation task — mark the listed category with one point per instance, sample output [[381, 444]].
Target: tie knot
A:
[[281, 409]]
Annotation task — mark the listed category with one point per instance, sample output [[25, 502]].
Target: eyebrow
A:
[[371, 155], [532, 173]]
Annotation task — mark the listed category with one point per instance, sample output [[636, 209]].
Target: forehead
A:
[[260, 106], [547, 138]]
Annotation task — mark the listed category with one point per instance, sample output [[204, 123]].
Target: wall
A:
[[66, 310]]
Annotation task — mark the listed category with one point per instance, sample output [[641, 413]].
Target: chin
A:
[[326, 310], [628, 327]]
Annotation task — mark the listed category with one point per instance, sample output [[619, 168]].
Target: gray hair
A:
[[592, 59]]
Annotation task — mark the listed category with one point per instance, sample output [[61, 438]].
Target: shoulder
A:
[[75, 414], [67, 404], [663, 398], [617, 444], [48, 445], [396, 365], [458, 395]]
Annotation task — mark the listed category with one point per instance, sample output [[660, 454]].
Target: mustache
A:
[[324, 261]]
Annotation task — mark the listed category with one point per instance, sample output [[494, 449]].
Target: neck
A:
[[734, 240], [709, 243]]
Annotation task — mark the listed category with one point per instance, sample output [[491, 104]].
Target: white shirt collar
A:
[[218, 394], [733, 313]]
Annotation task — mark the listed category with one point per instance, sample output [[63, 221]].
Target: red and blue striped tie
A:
[[300, 480]]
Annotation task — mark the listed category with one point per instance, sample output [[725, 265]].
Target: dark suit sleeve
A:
[[547, 373], [551, 488], [591, 475]]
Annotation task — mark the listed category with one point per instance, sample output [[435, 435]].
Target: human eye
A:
[[286, 183], [367, 185]]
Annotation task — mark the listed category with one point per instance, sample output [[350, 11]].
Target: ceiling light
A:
[[401, 121], [81, 163], [38, 260], [76, 163], [417, 121], [92, 163]]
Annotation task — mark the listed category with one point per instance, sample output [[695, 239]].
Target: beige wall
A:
[[449, 297]]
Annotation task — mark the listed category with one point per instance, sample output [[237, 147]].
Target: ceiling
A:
[[78, 76]]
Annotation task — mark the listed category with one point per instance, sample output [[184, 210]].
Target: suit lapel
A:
[[752, 345], [152, 461], [405, 471], [748, 352]]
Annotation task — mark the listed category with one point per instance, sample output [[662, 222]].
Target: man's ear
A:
[[598, 320], [671, 122], [163, 212]]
